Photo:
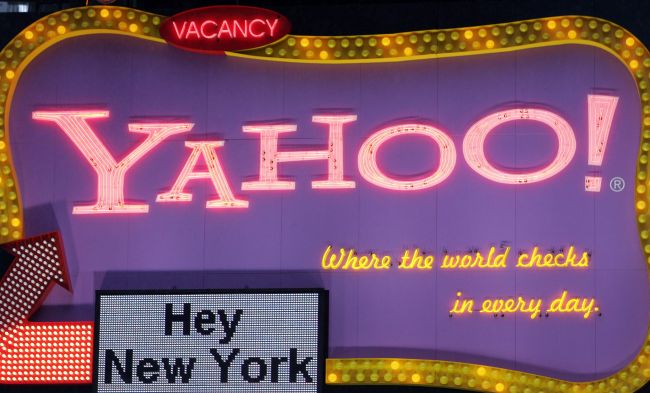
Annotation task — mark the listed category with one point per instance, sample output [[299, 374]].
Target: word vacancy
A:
[[211, 29], [111, 174]]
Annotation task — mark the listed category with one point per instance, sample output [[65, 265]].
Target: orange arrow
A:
[[39, 352]]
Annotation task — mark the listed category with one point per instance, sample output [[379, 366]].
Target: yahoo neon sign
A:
[[368, 166], [111, 173]]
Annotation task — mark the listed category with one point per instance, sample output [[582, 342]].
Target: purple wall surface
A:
[[279, 240]]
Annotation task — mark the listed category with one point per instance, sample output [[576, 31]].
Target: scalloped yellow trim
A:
[[368, 49]]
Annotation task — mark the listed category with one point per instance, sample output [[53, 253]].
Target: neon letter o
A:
[[474, 143], [369, 168]]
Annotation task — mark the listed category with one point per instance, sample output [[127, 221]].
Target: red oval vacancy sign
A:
[[217, 29]]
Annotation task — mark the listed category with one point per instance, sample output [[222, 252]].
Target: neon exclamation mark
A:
[[601, 113]]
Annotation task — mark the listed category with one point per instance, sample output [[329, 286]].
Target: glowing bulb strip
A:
[[110, 173], [474, 145], [369, 169], [601, 114], [215, 173], [450, 375], [270, 157]]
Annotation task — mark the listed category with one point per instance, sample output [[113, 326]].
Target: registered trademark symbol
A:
[[617, 184]]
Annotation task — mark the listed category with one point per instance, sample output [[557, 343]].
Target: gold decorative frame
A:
[[425, 44]]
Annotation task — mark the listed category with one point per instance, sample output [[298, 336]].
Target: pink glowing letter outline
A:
[[474, 142], [110, 173], [270, 157], [601, 113], [369, 168], [215, 173]]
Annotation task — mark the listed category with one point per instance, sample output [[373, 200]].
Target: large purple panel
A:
[[279, 240]]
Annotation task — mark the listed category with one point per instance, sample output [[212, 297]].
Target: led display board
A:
[[210, 341], [474, 199]]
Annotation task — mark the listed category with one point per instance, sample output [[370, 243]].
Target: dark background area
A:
[[336, 17]]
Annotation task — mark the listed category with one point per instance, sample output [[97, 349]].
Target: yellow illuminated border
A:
[[368, 49]]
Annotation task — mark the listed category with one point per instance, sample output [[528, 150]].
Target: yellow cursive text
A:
[[493, 260], [552, 260], [348, 260]]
